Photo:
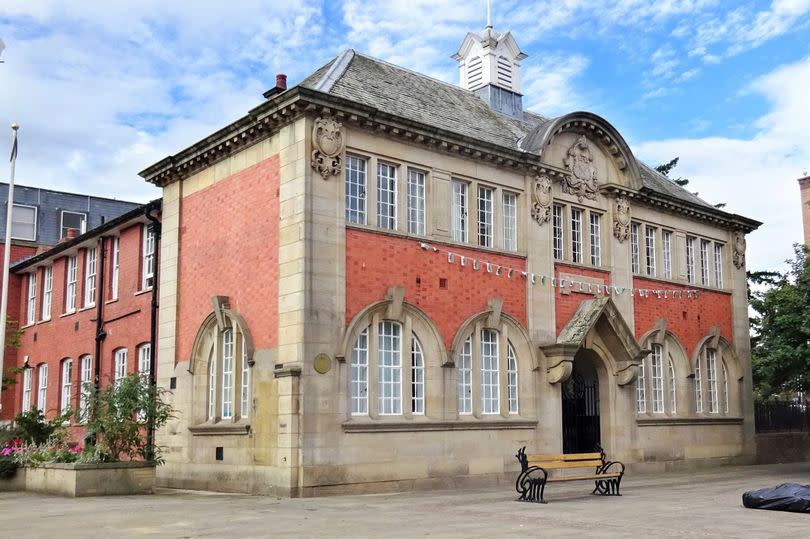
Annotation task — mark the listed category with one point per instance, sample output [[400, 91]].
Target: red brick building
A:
[[85, 312]]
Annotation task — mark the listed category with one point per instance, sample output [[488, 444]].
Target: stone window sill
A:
[[220, 429], [422, 425], [696, 420]]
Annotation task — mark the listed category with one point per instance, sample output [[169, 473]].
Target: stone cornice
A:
[[688, 209], [267, 118]]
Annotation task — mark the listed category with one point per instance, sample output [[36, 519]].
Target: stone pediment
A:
[[590, 149], [597, 323]]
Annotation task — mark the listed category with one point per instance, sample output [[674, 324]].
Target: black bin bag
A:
[[785, 497]]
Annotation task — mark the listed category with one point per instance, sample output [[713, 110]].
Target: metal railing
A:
[[782, 416]]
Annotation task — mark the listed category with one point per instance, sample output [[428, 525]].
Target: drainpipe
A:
[[150, 426], [100, 333]]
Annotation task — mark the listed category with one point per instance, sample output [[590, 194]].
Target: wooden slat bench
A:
[[531, 483]]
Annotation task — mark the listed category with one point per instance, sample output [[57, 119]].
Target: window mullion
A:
[[503, 375], [374, 367], [475, 367], [407, 368]]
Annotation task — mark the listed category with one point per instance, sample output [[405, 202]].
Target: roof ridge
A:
[[336, 71], [418, 74]]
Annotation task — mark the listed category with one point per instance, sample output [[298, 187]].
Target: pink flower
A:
[[6, 451]]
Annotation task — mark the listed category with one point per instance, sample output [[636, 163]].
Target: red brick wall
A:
[[127, 322], [229, 247], [375, 262], [689, 319], [566, 304]]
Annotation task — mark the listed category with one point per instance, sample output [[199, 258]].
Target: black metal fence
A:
[[782, 416]]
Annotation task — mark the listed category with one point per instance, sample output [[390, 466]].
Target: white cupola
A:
[[489, 57]]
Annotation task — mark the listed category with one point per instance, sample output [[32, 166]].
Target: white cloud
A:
[[549, 84], [756, 176]]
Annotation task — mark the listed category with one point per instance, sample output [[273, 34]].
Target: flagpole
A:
[[7, 257]]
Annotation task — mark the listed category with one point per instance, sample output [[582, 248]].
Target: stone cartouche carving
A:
[[738, 254], [621, 219], [579, 161], [541, 199], [327, 139]]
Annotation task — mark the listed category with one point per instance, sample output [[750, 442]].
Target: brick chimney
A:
[[281, 85]]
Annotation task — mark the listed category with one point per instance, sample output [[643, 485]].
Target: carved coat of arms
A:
[[621, 219], [738, 254], [327, 139], [541, 199], [583, 182]]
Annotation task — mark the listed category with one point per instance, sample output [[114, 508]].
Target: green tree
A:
[[781, 328], [666, 168]]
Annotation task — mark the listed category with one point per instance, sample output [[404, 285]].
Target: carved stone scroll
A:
[[582, 182], [738, 254], [328, 141], [621, 219], [541, 199]]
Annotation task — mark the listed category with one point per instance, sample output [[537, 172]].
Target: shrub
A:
[[8, 467], [117, 419], [32, 428]]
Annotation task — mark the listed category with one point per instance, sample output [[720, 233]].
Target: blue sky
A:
[[104, 89]]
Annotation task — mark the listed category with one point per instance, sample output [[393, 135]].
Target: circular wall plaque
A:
[[322, 363]]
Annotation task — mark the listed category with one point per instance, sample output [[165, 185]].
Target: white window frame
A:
[[145, 360], [576, 236], [72, 269], [690, 259], [725, 387], [85, 377], [673, 388], [641, 389], [657, 378], [558, 232], [90, 269], [244, 383], [635, 249], [417, 180], [490, 372], [42, 386], [116, 263], [148, 258], [718, 265], [17, 223], [698, 388], [355, 189], [649, 249], [386, 195], [465, 378], [417, 378], [119, 364], [63, 230], [512, 380], [704, 262], [389, 367], [596, 238], [485, 204], [227, 375], [31, 302], [460, 211], [47, 292], [666, 253], [28, 376], [67, 385], [509, 200], [359, 375], [711, 381]]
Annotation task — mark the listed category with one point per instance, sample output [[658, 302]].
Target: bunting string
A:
[[500, 270]]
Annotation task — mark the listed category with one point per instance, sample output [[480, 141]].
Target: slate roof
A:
[[417, 97]]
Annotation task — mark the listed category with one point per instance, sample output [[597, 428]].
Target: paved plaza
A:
[[700, 504]]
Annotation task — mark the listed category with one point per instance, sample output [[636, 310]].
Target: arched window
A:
[[145, 360], [487, 368], [385, 343], [657, 385], [715, 367], [222, 361], [85, 378], [119, 364], [42, 389], [67, 385]]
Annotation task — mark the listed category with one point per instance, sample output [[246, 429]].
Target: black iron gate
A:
[[580, 414]]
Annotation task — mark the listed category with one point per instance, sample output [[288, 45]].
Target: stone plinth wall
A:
[[76, 480], [776, 447]]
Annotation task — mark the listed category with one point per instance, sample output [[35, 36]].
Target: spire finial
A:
[[489, 13]]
